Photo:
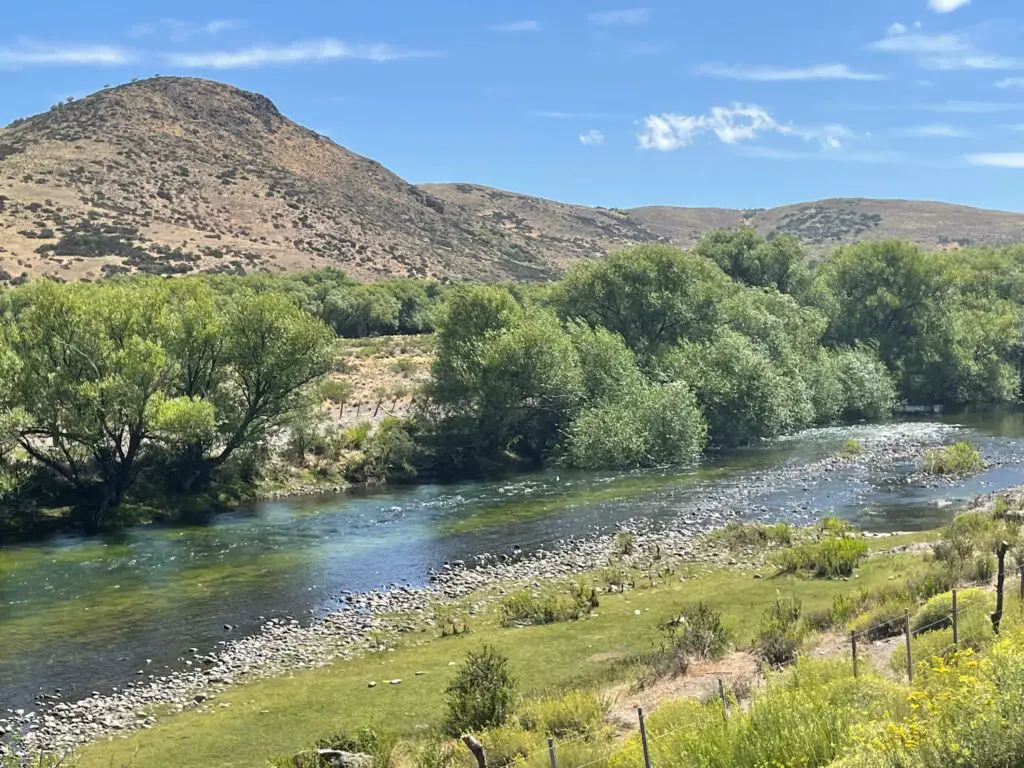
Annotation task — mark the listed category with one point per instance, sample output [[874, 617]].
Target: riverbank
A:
[[368, 620]]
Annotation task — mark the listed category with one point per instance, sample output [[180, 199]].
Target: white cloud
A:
[[627, 16], [997, 159], [1010, 82], [947, 6], [767, 74], [896, 29], [528, 25], [919, 43], [29, 53], [592, 138], [932, 132], [944, 52], [318, 51], [739, 122], [179, 30]]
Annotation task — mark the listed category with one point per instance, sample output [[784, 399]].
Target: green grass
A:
[[958, 459], [307, 705]]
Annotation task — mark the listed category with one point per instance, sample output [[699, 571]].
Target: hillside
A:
[[175, 175], [171, 175]]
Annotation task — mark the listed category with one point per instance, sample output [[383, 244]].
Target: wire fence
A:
[[951, 619]]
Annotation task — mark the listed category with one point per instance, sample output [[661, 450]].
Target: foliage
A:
[[937, 613], [830, 558], [697, 633], [780, 634], [483, 693], [572, 714], [659, 424], [738, 536], [748, 258], [961, 458], [547, 606]]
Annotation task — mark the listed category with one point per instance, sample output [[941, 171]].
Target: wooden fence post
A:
[[725, 702], [956, 622], [552, 758], [476, 748], [643, 737], [1000, 583], [377, 409], [853, 649], [910, 659]]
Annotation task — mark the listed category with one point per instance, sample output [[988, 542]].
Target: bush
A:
[[568, 715], [780, 634], [483, 693], [654, 425], [737, 536], [336, 391], [883, 620], [937, 613], [368, 741], [388, 454], [524, 608], [851, 447], [508, 745], [833, 557], [961, 458], [974, 631], [697, 632], [354, 437], [624, 543]]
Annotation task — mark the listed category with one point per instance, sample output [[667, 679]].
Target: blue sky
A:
[[738, 103]]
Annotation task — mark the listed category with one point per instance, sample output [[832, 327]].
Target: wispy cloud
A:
[[626, 16], [769, 74], [528, 25], [883, 157], [29, 53], [1010, 82], [943, 51], [972, 107], [931, 132], [179, 30], [896, 28], [997, 159], [313, 51], [592, 138], [947, 6]]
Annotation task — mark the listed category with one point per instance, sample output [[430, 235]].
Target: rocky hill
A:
[[177, 175]]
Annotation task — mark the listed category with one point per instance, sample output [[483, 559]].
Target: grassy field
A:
[[250, 723]]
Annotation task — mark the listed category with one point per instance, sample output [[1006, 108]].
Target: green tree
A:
[[483, 693], [653, 425], [653, 296], [90, 368], [744, 255]]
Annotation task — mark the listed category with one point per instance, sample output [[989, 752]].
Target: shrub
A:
[[780, 634], [368, 741], [572, 714], [483, 693], [851, 447], [974, 631], [436, 754], [830, 558], [403, 367], [525, 608], [507, 746], [624, 543], [937, 613], [697, 632], [336, 391], [354, 437], [737, 536], [883, 620], [961, 458], [657, 424]]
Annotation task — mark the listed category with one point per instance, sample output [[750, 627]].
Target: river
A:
[[83, 614]]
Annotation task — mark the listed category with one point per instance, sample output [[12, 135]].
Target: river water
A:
[[81, 614]]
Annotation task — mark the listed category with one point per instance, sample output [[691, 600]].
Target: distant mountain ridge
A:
[[179, 175]]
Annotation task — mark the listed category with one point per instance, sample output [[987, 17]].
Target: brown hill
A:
[[171, 175], [175, 175]]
